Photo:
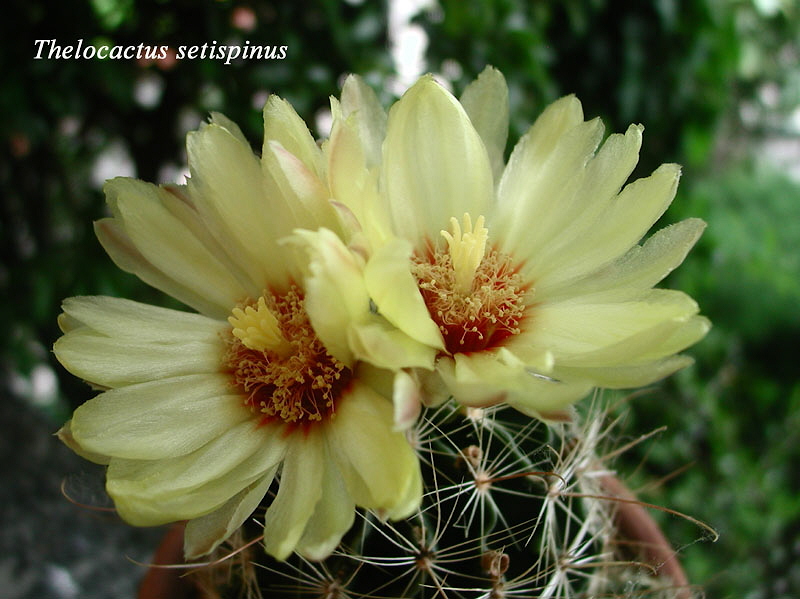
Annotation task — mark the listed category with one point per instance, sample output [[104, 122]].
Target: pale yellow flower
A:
[[526, 277], [203, 413]]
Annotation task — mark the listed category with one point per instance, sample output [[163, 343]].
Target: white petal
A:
[[434, 163], [486, 102], [158, 419], [299, 492], [206, 533]]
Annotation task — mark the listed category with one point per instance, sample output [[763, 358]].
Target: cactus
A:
[[512, 507]]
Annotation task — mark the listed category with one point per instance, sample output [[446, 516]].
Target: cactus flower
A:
[[527, 278], [203, 413]]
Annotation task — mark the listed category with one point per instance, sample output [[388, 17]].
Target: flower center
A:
[[279, 363], [475, 296]]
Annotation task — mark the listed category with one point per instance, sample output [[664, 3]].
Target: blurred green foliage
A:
[[708, 78]]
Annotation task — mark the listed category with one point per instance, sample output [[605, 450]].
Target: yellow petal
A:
[[640, 268], [64, 435], [336, 297], [376, 462], [231, 194], [206, 533], [360, 103], [485, 100], [624, 223], [332, 518], [394, 290], [378, 343], [539, 186], [158, 419], [299, 492], [105, 361], [434, 163], [283, 125], [489, 378], [127, 257]]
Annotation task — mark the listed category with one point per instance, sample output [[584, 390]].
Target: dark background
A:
[[716, 84]]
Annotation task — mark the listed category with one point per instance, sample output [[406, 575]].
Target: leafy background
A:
[[716, 83]]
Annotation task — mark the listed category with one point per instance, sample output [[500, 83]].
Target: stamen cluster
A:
[[298, 385], [483, 318]]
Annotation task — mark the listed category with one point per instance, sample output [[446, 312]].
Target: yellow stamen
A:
[[258, 329], [466, 250]]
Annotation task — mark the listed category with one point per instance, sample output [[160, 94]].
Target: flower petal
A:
[[354, 186], [161, 479], [127, 257], [206, 533], [158, 419], [376, 462], [283, 125], [640, 268], [623, 224], [137, 322], [64, 435], [332, 518], [435, 165], [168, 244], [606, 325], [231, 194], [406, 400], [335, 293], [382, 345], [299, 492], [485, 100], [621, 377], [486, 379], [145, 497], [539, 185], [360, 103], [394, 290], [108, 362]]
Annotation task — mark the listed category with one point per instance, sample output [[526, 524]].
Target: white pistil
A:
[[466, 250], [258, 329]]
